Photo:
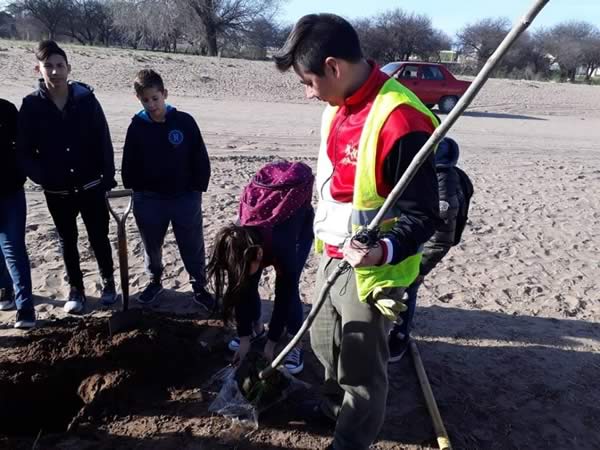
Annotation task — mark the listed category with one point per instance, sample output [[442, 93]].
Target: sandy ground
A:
[[508, 324]]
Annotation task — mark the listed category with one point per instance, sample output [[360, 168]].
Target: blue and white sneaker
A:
[[294, 362], [234, 344]]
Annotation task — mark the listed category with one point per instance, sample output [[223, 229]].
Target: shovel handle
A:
[[122, 240], [120, 194]]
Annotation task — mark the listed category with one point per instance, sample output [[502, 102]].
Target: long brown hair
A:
[[234, 249]]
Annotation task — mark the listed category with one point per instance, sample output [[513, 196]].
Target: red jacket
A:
[[342, 147]]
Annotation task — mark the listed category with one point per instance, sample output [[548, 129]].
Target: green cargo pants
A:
[[350, 340]]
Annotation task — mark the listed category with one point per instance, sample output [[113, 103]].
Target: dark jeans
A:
[[291, 244], [15, 272], [407, 316], [153, 213], [64, 210]]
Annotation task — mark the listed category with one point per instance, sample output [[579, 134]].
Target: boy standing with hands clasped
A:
[[166, 164], [64, 145]]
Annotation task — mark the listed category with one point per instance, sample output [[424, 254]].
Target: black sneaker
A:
[[76, 301], [25, 319], [7, 299], [294, 361], [204, 299], [150, 293], [312, 413], [109, 292], [398, 345]]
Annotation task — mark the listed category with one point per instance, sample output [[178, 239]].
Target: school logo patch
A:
[[175, 137]]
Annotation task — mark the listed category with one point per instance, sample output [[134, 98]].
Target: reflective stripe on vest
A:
[[366, 200]]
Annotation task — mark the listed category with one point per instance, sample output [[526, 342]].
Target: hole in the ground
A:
[[31, 406]]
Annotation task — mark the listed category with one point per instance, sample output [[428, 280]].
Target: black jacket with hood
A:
[[165, 157], [69, 150], [11, 175], [446, 159]]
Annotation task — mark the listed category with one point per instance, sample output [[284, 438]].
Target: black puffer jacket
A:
[[11, 175], [437, 247], [68, 150]]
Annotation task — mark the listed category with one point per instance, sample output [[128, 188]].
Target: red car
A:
[[432, 83]]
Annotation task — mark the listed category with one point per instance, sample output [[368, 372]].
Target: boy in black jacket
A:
[[451, 199], [14, 262], [166, 164], [66, 148]]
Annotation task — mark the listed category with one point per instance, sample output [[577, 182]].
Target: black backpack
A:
[[464, 193]]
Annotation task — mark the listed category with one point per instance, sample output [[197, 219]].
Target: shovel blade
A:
[[122, 321]]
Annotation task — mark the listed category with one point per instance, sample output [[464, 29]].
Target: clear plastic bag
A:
[[231, 402]]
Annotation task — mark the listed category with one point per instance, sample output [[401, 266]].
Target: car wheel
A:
[[447, 103]]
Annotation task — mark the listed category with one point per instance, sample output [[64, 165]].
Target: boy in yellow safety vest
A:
[[370, 132]]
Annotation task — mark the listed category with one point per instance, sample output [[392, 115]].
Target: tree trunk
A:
[[211, 42]]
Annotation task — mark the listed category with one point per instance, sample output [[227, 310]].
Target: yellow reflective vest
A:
[[331, 216]]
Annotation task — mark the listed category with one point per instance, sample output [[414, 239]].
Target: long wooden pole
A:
[[436, 418], [414, 166]]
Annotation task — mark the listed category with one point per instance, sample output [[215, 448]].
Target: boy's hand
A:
[[242, 351], [361, 255]]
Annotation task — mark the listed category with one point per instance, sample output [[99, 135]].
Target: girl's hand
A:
[[269, 351], [243, 350]]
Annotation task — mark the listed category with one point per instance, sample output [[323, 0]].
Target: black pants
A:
[[64, 210]]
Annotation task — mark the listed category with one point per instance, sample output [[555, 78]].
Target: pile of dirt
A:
[[72, 372]]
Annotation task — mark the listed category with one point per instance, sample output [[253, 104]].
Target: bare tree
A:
[[88, 21], [481, 38], [50, 13], [218, 17], [8, 27], [152, 24], [128, 21], [591, 54], [262, 32], [571, 45], [398, 35]]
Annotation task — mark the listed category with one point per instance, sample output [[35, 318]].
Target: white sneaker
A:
[[25, 320], [75, 303]]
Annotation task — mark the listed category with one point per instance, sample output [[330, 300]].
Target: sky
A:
[[450, 15]]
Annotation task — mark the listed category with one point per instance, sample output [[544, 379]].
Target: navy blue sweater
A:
[[165, 157], [11, 175], [65, 150]]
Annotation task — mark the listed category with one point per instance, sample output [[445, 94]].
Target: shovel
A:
[[125, 319]]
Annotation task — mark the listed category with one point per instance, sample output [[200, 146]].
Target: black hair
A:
[[148, 78], [48, 48], [314, 38], [229, 267]]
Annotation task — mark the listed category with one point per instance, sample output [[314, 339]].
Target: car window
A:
[[432, 73], [409, 72], [390, 68]]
